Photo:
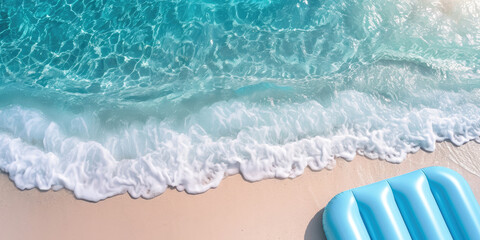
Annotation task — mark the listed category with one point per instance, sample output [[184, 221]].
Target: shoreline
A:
[[236, 209]]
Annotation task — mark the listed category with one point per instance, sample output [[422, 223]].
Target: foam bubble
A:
[[257, 140]]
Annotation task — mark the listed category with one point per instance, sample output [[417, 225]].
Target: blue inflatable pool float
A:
[[430, 203]]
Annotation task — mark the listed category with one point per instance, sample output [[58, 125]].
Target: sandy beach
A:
[[269, 209]]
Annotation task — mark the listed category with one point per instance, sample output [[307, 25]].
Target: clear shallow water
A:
[[107, 97]]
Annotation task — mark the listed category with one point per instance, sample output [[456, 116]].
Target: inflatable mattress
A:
[[430, 203]]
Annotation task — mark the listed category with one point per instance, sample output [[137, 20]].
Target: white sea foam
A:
[[229, 137]]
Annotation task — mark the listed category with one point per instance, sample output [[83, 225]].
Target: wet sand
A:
[[269, 209]]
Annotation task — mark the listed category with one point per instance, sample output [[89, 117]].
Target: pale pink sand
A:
[[269, 209]]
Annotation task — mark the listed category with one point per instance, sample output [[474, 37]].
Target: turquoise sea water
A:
[[106, 97]]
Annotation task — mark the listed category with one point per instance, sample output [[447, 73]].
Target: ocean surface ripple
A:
[[107, 97]]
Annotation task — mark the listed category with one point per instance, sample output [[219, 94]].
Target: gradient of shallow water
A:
[[107, 97]]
